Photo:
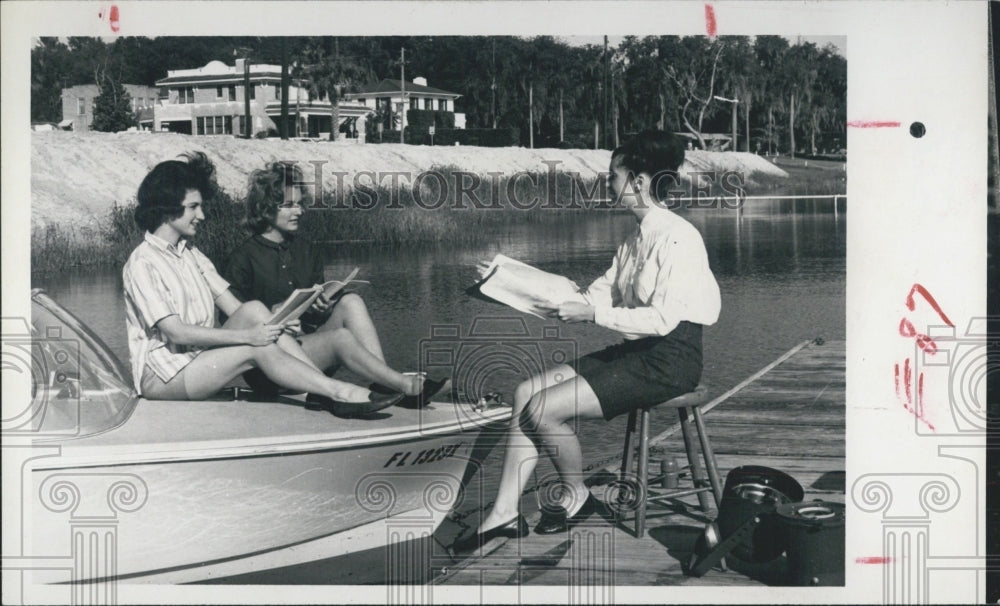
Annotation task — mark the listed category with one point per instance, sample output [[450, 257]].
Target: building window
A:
[[185, 94], [81, 105], [414, 103], [232, 92], [253, 92], [215, 125], [442, 105], [277, 92], [243, 125], [218, 92], [361, 100], [427, 104]]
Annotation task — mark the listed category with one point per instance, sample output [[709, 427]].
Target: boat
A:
[[139, 491]]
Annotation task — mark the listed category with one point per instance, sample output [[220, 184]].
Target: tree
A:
[[49, 75], [329, 73], [692, 64], [770, 52], [112, 107]]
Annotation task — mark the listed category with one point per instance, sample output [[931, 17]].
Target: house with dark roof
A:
[[393, 95], [210, 100]]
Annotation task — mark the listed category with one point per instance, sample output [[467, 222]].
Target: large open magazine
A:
[[526, 288], [302, 298]]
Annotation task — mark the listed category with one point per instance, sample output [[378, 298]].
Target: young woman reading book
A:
[[171, 294], [273, 262], [658, 293]]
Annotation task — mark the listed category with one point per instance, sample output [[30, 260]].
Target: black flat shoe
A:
[[431, 388], [350, 410], [515, 529], [558, 520]]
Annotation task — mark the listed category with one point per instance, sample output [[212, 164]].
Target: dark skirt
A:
[[646, 371]]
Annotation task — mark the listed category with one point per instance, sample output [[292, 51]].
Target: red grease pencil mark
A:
[[920, 396], [910, 304], [710, 20], [115, 25], [907, 376], [873, 124], [873, 560]]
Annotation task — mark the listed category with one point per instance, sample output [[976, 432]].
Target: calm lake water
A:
[[781, 269]]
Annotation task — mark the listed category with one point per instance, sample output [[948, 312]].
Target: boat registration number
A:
[[429, 455]]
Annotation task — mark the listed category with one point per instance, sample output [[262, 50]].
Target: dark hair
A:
[[652, 152], [267, 191], [165, 187]]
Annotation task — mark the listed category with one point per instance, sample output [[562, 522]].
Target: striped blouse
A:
[[163, 280]]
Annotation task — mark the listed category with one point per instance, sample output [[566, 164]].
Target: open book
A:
[[526, 288], [302, 298]]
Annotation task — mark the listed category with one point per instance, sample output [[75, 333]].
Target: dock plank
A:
[[792, 419]]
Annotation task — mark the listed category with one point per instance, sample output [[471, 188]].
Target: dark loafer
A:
[[431, 388], [515, 529], [350, 410], [558, 519]]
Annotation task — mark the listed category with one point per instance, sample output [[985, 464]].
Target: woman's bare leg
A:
[[213, 368], [340, 347], [252, 313], [521, 454], [350, 312], [551, 413]]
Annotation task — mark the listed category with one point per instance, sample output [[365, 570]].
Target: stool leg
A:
[[698, 477], [627, 454], [640, 512], [706, 450]]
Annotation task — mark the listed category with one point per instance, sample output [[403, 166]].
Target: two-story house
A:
[[78, 103], [210, 100], [392, 94]]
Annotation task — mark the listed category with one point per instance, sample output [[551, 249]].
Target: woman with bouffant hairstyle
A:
[[273, 262], [171, 294]]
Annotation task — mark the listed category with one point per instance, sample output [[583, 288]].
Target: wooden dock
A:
[[791, 418]]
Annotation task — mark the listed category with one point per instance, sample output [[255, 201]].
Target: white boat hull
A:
[[199, 514]]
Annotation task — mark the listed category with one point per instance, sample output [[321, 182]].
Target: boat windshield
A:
[[78, 387]]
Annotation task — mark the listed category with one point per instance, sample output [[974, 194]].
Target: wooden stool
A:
[[688, 407]]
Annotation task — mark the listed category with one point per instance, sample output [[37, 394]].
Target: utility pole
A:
[[531, 117], [246, 94], [402, 90], [604, 97], [493, 86]]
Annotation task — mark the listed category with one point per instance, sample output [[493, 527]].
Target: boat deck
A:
[[791, 418]]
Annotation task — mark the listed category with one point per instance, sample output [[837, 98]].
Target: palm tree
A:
[[328, 73]]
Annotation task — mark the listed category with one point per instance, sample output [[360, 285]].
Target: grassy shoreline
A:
[[406, 216]]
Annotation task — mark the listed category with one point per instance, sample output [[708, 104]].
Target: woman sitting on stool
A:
[[658, 294]]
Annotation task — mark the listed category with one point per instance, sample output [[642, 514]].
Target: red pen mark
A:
[[920, 397], [873, 560], [115, 25], [910, 303], [873, 124], [907, 376], [710, 20], [927, 345]]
